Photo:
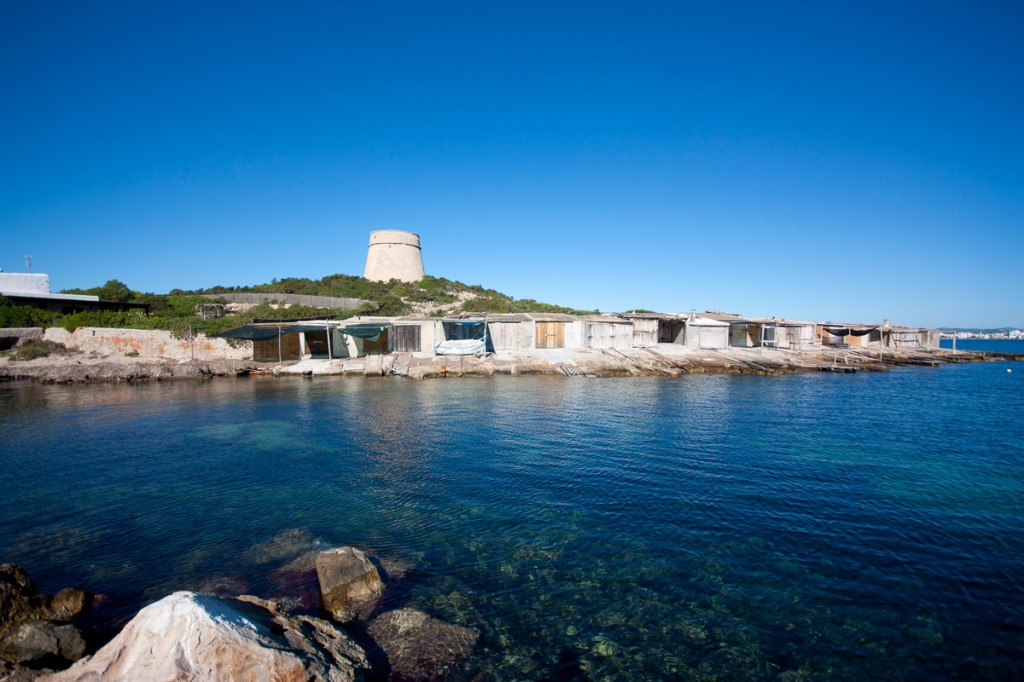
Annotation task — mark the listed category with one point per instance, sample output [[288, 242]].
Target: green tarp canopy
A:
[[368, 330], [252, 333]]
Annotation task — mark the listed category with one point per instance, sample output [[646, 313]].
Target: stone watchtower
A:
[[394, 254]]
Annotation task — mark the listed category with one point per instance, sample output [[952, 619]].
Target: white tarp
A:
[[461, 347]]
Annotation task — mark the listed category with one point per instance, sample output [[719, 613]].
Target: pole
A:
[[279, 357], [191, 343]]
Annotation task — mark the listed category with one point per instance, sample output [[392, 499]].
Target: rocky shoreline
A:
[[350, 633], [661, 361]]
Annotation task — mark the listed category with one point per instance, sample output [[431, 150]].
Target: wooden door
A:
[[550, 335], [504, 335], [407, 338]]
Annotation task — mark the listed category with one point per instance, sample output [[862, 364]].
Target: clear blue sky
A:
[[823, 160]]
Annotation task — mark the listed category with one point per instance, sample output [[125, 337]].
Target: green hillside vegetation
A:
[[398, 298], [177, 311]]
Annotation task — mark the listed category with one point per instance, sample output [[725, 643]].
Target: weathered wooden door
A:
[[504, 335], [645, 333], [550, 335], [407, 338]]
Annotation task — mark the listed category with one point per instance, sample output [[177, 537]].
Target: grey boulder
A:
[[350, 584]]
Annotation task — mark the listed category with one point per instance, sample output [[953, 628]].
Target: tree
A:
[[115, 291]]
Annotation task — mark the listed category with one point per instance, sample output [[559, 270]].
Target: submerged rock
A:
[[349, 583], [284, 546], [195, 637], [418, 647]]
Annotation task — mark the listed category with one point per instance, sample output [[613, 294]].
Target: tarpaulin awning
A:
[[847, 331], [252, 333], [461, 330], [370, 331]]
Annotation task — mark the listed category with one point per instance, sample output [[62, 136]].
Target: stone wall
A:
[[147, 343]]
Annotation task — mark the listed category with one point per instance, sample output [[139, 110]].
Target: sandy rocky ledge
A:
[[78, 367]]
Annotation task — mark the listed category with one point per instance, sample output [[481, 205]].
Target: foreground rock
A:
[[349, 583], [29, 633], [188, 636], [418, 647]]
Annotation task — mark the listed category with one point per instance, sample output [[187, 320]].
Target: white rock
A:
[[188, 636]]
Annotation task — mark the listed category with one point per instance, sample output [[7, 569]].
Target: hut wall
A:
[[807, 335], [341, 345], [528, 334], [645, 333], [789, 337], [575, 335], [714, 337]]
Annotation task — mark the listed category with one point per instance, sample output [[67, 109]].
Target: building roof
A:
[[50, 297], [651, 316], [605, 319]]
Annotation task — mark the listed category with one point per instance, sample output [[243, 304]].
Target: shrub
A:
[[38, 348], [22, 315]]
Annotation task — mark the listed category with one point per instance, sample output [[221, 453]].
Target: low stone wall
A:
[[11, 336], [147, 343]]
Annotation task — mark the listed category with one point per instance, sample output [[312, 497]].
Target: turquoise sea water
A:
[[987, 345], [806, 527]]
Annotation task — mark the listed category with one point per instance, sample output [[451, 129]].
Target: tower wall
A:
[[394, 254]]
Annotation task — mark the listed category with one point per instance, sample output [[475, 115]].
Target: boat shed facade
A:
[[511, 331], [704, 332], [650, 329], [840, 335], [601, 332], [773, 333]]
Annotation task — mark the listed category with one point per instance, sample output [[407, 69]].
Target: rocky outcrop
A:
[[419, 648], [18, 597], [41, 640], [28, 633], [349, 583], [188, 636]]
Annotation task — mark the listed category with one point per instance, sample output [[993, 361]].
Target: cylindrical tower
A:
[[394, 254]]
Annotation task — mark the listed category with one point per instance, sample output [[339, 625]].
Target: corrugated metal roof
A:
[[509, 317], [604, 319], [552, 317], [651, 316], [780, 322], [722, 317]]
